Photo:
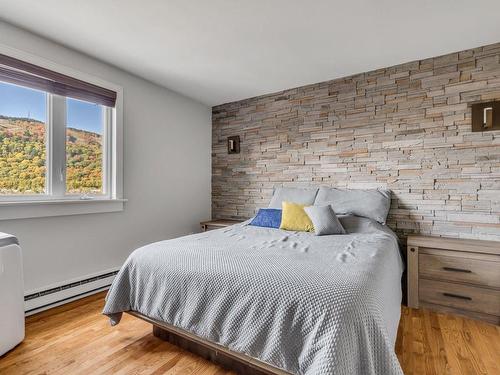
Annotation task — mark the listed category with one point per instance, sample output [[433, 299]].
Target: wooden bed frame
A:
[[229, 359]]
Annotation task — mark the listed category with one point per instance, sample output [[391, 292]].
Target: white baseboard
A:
[[64, 292]]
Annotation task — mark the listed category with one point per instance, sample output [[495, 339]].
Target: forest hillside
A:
[[23, 158]]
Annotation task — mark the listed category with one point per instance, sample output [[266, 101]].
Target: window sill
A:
[[46, 208]]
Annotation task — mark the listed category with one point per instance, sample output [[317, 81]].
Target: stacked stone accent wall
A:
[[406, 128]]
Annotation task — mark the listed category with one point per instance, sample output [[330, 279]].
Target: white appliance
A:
[[11, 293]]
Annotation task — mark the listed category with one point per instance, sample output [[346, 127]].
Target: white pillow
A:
[[303, 196], [372, 203], [324, 220]]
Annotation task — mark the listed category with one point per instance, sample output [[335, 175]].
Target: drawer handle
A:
[[457, 296], [452, 269]]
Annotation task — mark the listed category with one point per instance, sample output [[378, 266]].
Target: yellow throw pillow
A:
[[293, 217]]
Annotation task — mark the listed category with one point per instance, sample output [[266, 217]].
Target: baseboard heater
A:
[[67, 292]]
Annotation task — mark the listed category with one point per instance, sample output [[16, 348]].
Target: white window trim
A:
[[58, 204]]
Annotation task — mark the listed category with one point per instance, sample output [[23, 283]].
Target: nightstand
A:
[[217, 223], [455, 275]]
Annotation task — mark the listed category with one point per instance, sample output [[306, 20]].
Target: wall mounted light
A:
[[486, 116], [233, 144]]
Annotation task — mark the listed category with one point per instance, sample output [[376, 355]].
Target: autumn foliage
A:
[[23, 158]]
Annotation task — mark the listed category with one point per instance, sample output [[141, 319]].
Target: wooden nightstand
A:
[[455, 275], [217, 223]]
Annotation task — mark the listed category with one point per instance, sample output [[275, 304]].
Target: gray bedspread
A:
[[307, 304]]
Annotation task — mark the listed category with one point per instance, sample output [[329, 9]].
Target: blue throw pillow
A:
[[267, 217]]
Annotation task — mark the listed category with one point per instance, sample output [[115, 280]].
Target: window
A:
[[85, 129], [56, 136], [23, 116]]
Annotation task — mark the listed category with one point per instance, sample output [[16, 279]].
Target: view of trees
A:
[[23, 158], [83, 161]]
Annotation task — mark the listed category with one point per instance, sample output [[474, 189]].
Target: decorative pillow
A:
[[267, 217], [373, 203], [303, 196], [324, 220], [294, 217]]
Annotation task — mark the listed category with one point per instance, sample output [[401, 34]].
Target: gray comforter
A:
[[303, 303]]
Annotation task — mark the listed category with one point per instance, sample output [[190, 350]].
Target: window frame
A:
[[56, 201], [60, 160]]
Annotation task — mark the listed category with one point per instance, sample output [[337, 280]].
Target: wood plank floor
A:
[[77, 339]]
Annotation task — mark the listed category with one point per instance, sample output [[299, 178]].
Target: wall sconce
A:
[[486, 116], [233, 144]]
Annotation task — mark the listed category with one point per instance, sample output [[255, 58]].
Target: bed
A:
[[283, 302]]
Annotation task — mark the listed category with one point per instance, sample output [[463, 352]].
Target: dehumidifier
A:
[[11, 293]]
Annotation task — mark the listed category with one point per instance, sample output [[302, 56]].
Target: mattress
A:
[[306, 304]]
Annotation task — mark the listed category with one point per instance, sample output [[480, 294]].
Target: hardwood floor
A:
[[77, 339], [434, 343]]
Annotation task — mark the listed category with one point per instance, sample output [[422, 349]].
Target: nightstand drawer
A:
[[460, 296], [460, 269]]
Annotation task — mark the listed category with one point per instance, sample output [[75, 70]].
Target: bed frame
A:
[[229, 359]]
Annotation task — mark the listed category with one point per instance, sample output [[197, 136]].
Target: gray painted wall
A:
[[167, 146]]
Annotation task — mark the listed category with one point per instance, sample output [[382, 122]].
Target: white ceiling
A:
[[218, 51]]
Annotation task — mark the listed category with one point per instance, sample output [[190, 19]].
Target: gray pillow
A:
[[303, 196], [372, 203], [324, 220]]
